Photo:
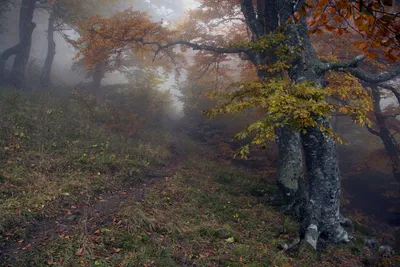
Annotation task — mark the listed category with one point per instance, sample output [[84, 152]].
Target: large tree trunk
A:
[[323, 215], [51, 52], [322, 212], [290, 158], [290, 162], [318, 203], [26, 27], [384, 134]]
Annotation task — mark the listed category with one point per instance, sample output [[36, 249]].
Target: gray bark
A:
[[26, 27], [384, 134], [322, 214], [318, 200], [323, 174], [290, 163], [51, 52]]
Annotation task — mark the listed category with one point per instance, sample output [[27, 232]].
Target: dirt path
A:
[[87, 216]]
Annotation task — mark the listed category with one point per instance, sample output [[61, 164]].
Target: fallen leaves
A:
[[79, 252]]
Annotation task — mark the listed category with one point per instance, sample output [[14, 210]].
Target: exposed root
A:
[[312, 235], [345, 222]]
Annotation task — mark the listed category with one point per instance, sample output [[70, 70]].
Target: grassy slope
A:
[[76, 194]]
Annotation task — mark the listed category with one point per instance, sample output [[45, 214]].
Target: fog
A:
[[199, 133], [168, 11]]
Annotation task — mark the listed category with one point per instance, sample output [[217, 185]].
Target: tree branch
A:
[[392, 89], [194, 46], [325, 66], [374, 78], [372, 131], [353, 69]]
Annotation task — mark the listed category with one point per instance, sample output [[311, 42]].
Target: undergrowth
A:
[[61, 162], [56, 150]]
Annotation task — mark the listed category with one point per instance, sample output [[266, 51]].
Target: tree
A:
[[384, 120], [383, 126], [4, 7], [23, 48], [44, 80], [65, 15], [287, 65]]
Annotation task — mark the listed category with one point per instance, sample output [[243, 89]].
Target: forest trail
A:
[[199, 209], [87, 216]]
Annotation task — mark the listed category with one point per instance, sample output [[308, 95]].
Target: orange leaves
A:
[[368, 19], [108, 38]]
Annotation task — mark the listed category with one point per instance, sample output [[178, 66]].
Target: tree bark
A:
[[322, 212], [26, 27], [323, 174], [98, 75], [51, 52], [5, 56], [290, 163], [384, 134]]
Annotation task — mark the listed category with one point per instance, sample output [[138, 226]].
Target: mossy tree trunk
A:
[[320, 194]]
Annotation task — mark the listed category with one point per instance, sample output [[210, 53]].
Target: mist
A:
[[199, 133]]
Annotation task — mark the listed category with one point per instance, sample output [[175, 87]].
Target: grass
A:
[[189, 219], [72, 194], [193, 218], [52, 149]]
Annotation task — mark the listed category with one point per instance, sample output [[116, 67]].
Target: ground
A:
[[155, 199]]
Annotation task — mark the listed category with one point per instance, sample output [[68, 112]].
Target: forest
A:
[[200, 133]]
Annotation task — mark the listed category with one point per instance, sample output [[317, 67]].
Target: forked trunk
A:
[[317, 200], [322, 212]]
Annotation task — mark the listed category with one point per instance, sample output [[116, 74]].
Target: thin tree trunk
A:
[[5, 56], [98, 75], [384, 134], [26, 27], [51, 52]]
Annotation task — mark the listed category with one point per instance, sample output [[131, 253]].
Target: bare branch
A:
[[372, 131], [375, 78], [392, 89], [353, 69], [194, 46], [341, 65]]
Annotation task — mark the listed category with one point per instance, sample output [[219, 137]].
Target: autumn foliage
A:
[[377, 24]]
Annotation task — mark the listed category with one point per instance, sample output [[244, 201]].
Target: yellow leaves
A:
[[355, 100], [297, 105]]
